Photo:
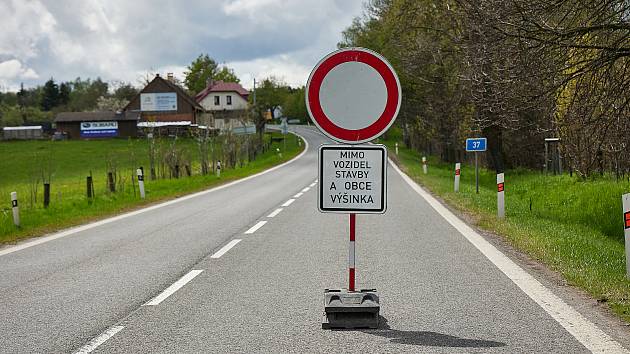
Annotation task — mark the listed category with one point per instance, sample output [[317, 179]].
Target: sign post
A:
[[458, 167], [16, 209], [353, 96], [501, 195], [476, 145], [626, 228]]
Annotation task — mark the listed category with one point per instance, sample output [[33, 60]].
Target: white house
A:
[[227, 101]]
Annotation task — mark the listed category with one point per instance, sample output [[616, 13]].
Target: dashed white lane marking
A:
[[288, 202], [94, 343], [256, 227], [78, 229], [274, 213], [298, 195], [173, 288], [225, 248], [587, 333], [306, 189]]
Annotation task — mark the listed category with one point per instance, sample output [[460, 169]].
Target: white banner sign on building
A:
[[160, 101], [352, 179]]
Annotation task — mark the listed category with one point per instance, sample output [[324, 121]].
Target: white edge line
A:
[[225, 248], [95, 342], [274, 213], [75, 230], [587, 333], [288, 202], [174, 287], [298, 195], [311, 185], [256, 227], [306, 189]]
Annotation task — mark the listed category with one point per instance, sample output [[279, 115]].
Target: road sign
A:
[[476, 144], [353, 95], [284, 126], [352, 179]]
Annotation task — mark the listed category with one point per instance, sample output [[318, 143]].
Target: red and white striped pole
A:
[[458, 167], [353, 222], [626, 229]]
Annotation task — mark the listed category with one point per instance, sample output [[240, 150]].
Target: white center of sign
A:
[[353, 95]]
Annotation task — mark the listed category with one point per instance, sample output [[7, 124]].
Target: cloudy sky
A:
[[122, 40]]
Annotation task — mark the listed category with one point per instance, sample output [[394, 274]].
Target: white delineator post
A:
[[396, 148], [424, 164], [219, 168], [353, 220], [501, 195], [140, 182], [16, 209], [626, 228], [457, 174]]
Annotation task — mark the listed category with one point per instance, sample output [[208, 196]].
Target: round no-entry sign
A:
[[353, 95]]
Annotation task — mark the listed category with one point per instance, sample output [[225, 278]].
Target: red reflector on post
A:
[[626, 217], [500, 187], [457, 172]]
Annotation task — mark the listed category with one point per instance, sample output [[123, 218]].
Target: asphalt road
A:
[[439, 293]]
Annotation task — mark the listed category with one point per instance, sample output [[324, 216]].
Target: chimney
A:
[[209, 82], [169, 77]]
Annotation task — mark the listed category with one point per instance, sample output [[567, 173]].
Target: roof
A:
[[220, 86], [178, 90], [182, 123], [94, 116], [29, 127]]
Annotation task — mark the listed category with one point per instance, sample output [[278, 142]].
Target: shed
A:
[[88, 125], [23, 133]]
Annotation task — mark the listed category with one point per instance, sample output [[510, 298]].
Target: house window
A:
[[217, 100], [229, 100]]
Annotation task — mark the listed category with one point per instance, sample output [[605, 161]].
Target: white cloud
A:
[[24, 25], [283, 67], [120, 39], [13, 69]]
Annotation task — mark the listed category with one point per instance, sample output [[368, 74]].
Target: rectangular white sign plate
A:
[[352, 179], [159, 101]]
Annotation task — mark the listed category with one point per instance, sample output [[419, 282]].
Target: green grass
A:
[[575, 227], [70, 163]]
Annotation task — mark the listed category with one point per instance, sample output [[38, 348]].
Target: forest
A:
[[513, 71]]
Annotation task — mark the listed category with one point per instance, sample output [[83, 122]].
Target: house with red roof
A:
[[228, 103], [219, 96]]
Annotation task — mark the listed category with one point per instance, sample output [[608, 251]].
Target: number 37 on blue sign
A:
[[476, 144]]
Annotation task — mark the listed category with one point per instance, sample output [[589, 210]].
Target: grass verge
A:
[[574, 227], [71, 206]]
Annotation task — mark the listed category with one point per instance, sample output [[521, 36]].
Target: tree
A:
[[125, 92], [226, 74], [204, 69], [64, 93], [112, 103], [270, 95], [199, 72], [50, 95], [11, 116], [294, 106], [85, 94]]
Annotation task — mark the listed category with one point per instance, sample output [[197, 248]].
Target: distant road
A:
[[243, 268]]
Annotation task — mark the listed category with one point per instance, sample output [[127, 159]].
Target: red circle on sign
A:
[[392, 105]]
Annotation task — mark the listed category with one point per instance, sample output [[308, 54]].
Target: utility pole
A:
[[254, 91]]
